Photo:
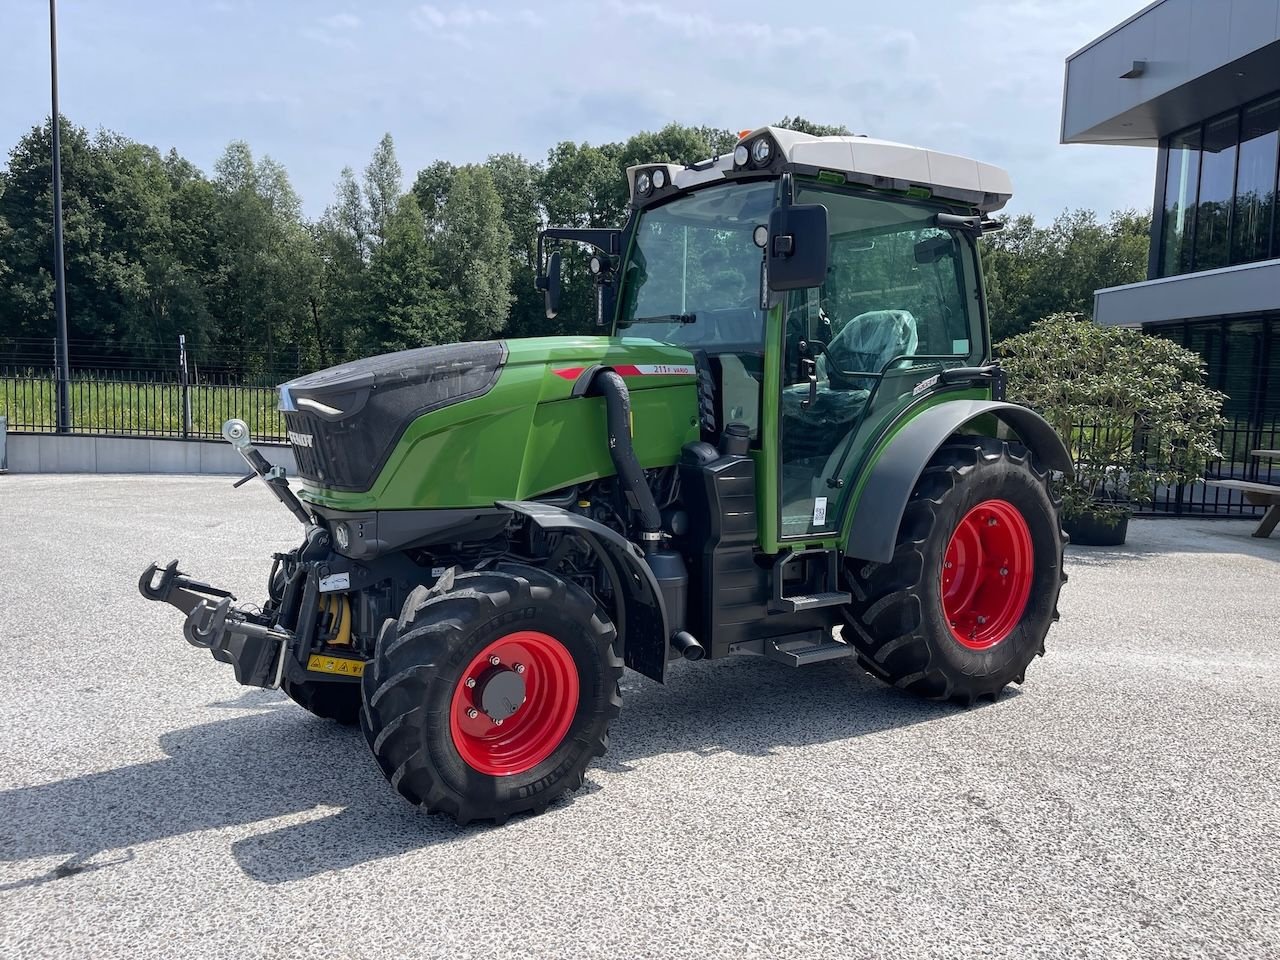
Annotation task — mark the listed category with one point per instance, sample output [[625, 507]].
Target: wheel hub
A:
[[514, 704], [986, 574], [500, 693]]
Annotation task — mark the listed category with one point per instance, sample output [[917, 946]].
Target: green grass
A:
[[138, 408]]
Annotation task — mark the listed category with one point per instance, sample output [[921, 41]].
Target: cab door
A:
[[900, 303]]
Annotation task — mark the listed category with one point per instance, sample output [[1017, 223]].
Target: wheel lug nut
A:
[[991, 521], [497, 723], [982, 620], [948, 565], [519, 668], [472, 713], [494, 661], [1004, 571], [471, 681]]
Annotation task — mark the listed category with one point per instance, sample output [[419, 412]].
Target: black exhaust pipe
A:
[[613, 388], [687, 645]]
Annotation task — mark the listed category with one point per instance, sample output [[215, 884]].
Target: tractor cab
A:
[[826, 282]]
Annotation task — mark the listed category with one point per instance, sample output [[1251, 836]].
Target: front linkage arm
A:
[[247, 641], [252, 642]]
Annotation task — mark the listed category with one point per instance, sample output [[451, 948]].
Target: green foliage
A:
[[1132, 409], [1033, 272], [801, 125], [472, 255]]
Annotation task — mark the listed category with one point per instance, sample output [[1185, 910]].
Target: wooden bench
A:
[[1261, 494]]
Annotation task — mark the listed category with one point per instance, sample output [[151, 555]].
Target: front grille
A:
[[359, 411]]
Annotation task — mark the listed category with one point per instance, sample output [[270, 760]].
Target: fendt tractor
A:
[[793, 445]]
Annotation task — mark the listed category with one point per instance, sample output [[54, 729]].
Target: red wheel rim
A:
[[986, 574], [532, 732]]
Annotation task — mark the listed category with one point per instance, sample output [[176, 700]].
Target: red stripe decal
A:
[[628, 370], [570, 373]]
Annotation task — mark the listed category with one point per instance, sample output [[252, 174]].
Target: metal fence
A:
[[139, 403], [1238, 441], [167, 403]]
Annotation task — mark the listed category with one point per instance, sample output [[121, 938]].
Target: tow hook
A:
[[246, 640]]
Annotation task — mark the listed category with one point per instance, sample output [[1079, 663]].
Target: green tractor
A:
[[793, 445]]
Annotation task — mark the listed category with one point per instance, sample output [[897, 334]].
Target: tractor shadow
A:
[[278, 762]]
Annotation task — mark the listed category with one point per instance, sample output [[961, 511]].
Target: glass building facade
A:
[[1200, 81], [1220, 186]]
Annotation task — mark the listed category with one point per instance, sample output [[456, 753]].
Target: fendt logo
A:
[[300, 439]]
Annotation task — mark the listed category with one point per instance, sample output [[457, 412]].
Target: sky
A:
[[316, 84]]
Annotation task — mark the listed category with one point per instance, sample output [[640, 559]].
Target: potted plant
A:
[[1132, 409]]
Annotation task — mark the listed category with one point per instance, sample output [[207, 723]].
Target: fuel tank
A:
[[467, 424]]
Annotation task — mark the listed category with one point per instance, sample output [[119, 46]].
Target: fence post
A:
[[185, 382]]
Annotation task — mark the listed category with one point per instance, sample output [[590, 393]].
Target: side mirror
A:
[[798, 252], [550, 285]]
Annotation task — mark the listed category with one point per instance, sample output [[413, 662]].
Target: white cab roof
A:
[[880, 163]]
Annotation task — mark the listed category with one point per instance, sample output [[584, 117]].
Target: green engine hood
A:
[[520, 427]]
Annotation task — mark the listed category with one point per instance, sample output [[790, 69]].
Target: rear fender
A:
[[873, 532], [643, 627]]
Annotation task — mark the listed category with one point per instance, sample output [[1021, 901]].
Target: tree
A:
[[265, 262], [519, 186], [1033, 272], [801, 125], [382, 187], [431, 187], [406, 306], [471, 252]]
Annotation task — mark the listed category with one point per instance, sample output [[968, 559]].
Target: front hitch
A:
[[243, 638]]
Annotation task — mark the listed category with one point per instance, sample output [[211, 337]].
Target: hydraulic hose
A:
[[613, 388]]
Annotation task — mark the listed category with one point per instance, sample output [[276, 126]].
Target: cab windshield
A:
[[693, 274]]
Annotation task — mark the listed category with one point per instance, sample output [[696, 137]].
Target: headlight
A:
[[659, 179], [342, 536], [597, 265], [644, 186], [741, 155], [761, 151]]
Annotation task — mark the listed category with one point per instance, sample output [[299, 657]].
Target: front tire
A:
[[491, 700], [967, 600]]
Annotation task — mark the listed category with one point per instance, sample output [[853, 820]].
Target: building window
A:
[[1220, 204], [1217, 189], [1256, 182], [1181, 183]]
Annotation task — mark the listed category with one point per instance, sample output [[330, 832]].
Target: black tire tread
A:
[[409, 651], [884, 623]]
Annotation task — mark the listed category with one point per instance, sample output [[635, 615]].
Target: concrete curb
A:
[[54, 453]]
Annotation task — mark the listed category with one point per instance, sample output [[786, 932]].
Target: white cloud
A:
[[700, 26], [341, 21], [428, 17]]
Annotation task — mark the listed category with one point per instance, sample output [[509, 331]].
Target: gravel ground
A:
[[1124, 803]]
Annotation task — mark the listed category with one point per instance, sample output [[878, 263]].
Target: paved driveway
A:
[[1125, 803]]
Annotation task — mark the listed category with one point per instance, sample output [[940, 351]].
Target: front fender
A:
[[878, 513], [643, 628]]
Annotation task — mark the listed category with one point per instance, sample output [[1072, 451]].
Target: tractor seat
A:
[[867, 344]]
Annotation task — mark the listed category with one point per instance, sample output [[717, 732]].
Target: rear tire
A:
[[555, 688], [967, 600], [337, 701]]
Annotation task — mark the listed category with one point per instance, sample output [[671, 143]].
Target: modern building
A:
[[1198, 82]]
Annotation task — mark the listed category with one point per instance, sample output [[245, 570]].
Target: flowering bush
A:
[[1132, 409]]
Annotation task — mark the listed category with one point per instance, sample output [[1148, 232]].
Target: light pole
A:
[[59, 271]]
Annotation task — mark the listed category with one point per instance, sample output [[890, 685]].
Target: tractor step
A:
[[811, 601], [814, 575], [815, 648]]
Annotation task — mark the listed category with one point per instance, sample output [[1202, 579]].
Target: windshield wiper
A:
[[666, 318]]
